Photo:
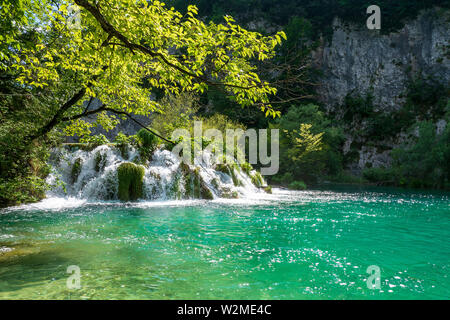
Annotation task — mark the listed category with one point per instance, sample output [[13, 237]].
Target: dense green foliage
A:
[[306, 155], [147, 139], [146, 142], [426, 162], [297, 185], [131, 180], [422, 164], [426, 99], [95, 140], [23, 165]]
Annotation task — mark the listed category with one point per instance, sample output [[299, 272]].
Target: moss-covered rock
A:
[[195, 186], [268, 189], [205, 192], [246, 167], [215, 183], [229, 170], [99, 161], [76, 169], [175, 189], [257, 179], [228, 194], [131, 179]]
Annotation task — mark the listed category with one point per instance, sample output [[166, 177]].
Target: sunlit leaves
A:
[[304, 141], [186, 55]]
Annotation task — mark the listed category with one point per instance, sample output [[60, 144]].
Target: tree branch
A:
[[58, 116], [112, 32], [138, 122], [106, 108]]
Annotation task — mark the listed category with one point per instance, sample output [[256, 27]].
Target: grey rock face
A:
[[361, 60]]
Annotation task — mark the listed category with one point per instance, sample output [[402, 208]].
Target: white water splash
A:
[[164, 178]]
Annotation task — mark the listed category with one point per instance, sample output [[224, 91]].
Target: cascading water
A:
[[93, 175]]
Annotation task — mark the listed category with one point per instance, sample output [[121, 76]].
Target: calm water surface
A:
[[289, 245]]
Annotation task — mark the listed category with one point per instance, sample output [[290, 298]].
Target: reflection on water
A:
[[289, 245]]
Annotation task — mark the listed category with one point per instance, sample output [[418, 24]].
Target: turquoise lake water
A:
[[289, 245]]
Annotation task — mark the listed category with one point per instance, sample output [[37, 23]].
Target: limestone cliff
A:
[[361, 60]]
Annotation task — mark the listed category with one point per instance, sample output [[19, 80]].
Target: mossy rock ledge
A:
[[229, 169], [195, 186], [131, 181]]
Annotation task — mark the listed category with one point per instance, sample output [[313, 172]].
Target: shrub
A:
[[425, 162], [22, 190], [131, 178], [95, 141], [357, 107], [122, 142], [312, 152], [122, 139], [147, 143], [346, 177], [147, 139], [297, 185], [284, 179], [379, 175], [177, 112]]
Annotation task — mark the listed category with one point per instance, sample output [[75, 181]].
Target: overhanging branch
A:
[[113, 32], [105, 108]]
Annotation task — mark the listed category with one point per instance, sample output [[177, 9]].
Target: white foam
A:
[[163, 177]]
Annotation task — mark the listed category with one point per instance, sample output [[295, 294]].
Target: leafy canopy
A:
[[124, 50]]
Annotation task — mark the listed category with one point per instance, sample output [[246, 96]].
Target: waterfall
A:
[[93, 175]]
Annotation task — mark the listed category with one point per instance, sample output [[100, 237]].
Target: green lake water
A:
[[289, 245]]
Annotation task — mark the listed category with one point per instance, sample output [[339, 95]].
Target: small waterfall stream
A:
[[93, 175]]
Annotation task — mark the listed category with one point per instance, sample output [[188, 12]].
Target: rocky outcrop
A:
[[360, 60]]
